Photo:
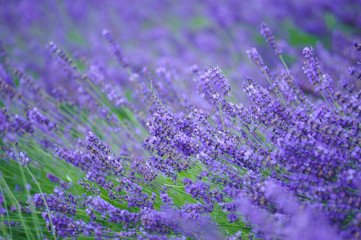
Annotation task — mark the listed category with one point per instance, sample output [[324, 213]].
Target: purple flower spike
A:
[[53, 178], [114, 48], [268, 35], [311, 67]]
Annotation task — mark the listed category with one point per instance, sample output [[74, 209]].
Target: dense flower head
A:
[[311, 67], [268, 35], [114, 47], [149, 143], [255, 57], [213, 85]]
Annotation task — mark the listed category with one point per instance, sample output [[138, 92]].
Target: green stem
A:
[[287, 69], [45, 202], [27, 233], [32, 206], [7, 213]]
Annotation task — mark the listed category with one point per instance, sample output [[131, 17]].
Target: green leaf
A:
[[298, 37]]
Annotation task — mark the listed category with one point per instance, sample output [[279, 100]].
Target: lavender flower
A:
[[114, 48], [268, 35], [212, 85], [141, 151], [311, 67]]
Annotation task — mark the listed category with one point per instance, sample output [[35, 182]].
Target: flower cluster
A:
[[153, 146]]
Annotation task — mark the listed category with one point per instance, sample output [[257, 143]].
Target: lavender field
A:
[[166, 119]]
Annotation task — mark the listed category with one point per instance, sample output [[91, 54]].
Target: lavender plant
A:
[[146, 141]]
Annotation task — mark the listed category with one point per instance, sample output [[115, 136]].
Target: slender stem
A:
[[45, 202], [291, 76], [34, 216], [27, 233], [7, 213]]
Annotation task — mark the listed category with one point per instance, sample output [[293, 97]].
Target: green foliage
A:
[[298, 37]]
